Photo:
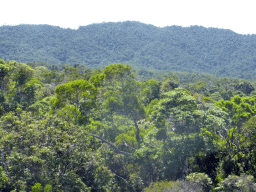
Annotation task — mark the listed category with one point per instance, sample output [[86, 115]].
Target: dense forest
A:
[[187, 49], [75, 128]]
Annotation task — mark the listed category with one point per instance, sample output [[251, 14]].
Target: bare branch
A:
[[112, 146], [122, 178], [128, 145]]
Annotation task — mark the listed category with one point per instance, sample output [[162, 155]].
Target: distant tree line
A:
[[187, 49]]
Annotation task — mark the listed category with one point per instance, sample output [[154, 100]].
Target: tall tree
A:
[[4, 71], [22, 73], [74, 93], [123, 94]]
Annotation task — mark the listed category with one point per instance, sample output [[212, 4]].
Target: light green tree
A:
[[74, 93], [4, 72]]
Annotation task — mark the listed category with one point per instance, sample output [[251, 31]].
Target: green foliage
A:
[[69, 128], [48, 188], [2, 61], [199, 87], [37, 187], [169, 85], [74, 93], [117, 72], [50, 146], [206, 163], [162, 186], [72, 73], [208, 99], [239, 108], [201, 179], [150, 91], [246, 87], [193, 49], [173, 186], [4, 72], [184, 115], [22, 74], [216, 96], [3, 178], [237, 183], [129, 139]]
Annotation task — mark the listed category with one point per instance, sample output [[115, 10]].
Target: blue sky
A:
[[238, 16]]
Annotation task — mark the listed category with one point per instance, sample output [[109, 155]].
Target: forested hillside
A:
[[187, 49], [74, 128]]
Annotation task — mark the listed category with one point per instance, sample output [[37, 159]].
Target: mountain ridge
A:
[[190, 49]]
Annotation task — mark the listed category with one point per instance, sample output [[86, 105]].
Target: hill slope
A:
[[190, 49]]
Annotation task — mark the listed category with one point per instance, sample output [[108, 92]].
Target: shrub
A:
[[235, 183], [200, 179], [174, 186]]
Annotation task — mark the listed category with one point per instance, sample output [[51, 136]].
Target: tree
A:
[[246, 87], [132, 106], [37, 187], [72, 73], [169, 84], [187, 128], [238, 183], [51, 151], [3, 178], [150, 91], [4, 72], [117, 73], [76, 93], [201, 179], [120, 93], [239, 108], [22, 73]]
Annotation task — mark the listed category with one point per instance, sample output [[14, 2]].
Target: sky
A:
[[238, 16]]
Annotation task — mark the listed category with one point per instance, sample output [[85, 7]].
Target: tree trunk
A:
[[112, 120], [1, 84], [137, 133]]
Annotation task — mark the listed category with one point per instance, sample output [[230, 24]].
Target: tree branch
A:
[[128, 145], [122, 178], [111, 145]]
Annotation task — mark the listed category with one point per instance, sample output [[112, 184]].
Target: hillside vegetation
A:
[[72, 128], [187, 49]]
